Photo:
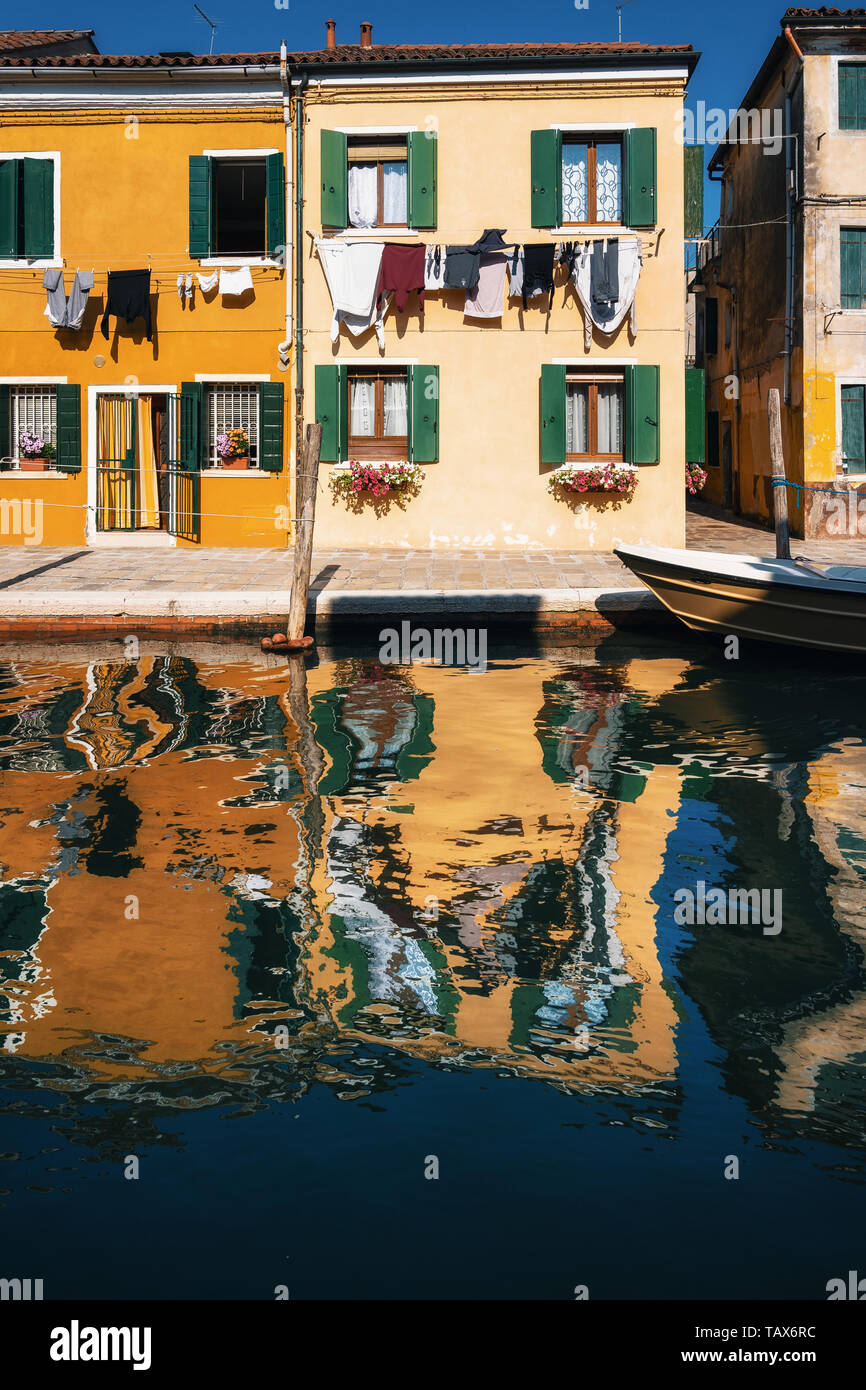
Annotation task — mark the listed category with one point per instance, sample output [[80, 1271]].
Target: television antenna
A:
[[213, 24], [619, 9]]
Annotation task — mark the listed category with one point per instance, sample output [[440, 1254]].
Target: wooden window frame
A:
[[591, 140], [593, 380], [378, 445], [356, 143]]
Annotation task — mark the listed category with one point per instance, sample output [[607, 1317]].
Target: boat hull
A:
[[769, 600]]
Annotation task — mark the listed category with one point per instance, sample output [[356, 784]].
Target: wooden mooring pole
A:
[[779, 487], [306, 483]]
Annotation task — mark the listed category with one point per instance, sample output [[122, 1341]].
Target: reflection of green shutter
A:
[[68, 428], [546, 156], [271, 426], [9, 208], [695, 388], [423, 414], [335, 194], [414, 756], [330, 412], [640, 177], [422, 178], [5, 422], [325, 710], [200, 198], [552, 413], [526, 999], [38, 179], [276, 203], [191, 433], [641, 414], [693, 180]]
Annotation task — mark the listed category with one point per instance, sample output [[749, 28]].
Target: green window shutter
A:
[[276, 203], [852, 261], [69, 428], [422, 151], [200, 206], [852, 96], [695, 389], [552, 412], [854, 427], [641, 414], [5, 422], [640, 177], [38, 182], [335, 175], [693, 188], [271, 426], [546, 160], [9, 208], [423, 414], [193, 444], [330, 411]]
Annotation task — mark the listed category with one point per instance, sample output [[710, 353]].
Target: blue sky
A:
[[733, 38]]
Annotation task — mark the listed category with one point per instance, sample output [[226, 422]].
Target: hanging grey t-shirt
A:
[[461, 268]]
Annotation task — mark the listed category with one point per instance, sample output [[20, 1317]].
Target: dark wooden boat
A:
[[796, 602]]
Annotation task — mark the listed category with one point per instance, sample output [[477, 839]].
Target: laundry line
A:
[[211, 516]]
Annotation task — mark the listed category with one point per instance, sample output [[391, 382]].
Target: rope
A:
[[809, 487]]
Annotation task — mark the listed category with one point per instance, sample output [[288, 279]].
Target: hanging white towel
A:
[[207, 282], [352, 272], [235, 281], [608, 317]]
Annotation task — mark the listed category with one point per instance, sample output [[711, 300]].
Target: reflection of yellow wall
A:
[[167, 978], [124, 205]]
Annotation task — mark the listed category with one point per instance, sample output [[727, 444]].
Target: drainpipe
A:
[[285, 345], [299, 260]]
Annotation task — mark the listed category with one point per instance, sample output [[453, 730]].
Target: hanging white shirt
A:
[[352, 272]]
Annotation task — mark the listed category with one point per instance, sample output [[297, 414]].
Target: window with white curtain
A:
[[591, 180], [377, 181], [594, 416], [232, 405], [378, 414], [34, 409]]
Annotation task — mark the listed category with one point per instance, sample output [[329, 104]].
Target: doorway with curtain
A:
[[132, 463]]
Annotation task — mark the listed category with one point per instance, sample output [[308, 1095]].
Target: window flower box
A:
[[233, 447], [696, 476], [620, 479], [378, 479], [37, 455]]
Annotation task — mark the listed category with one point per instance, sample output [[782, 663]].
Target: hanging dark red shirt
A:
[[402, 272]]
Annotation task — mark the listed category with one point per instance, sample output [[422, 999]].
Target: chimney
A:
[[331, 30], [366, 35]]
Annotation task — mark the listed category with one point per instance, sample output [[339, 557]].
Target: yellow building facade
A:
[[225, 169]]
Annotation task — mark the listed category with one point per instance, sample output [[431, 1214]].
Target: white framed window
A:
[[29, 208], [32, 409], [232, 405]]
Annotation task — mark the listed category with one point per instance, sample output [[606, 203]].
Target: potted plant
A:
[[36, 454], [617, 478], [233, 447], [695, 478], [378, 479]]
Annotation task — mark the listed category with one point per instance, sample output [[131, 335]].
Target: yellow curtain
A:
[[115, 482], [146, 465]]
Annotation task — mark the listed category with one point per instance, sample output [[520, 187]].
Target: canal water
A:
[[353, 980]]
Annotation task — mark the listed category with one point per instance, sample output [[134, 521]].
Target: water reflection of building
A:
[[180, 790]]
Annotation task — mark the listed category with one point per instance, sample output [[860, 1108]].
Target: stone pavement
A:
[[43, 569]]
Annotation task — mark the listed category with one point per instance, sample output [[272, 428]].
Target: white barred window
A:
[[34, 409], [233, 405]]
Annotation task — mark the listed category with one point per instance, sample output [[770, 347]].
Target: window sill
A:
[[374, 233], [32, 474], [37, 263], [368, 463], [233, 262], [235, 473], [578, 230]]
